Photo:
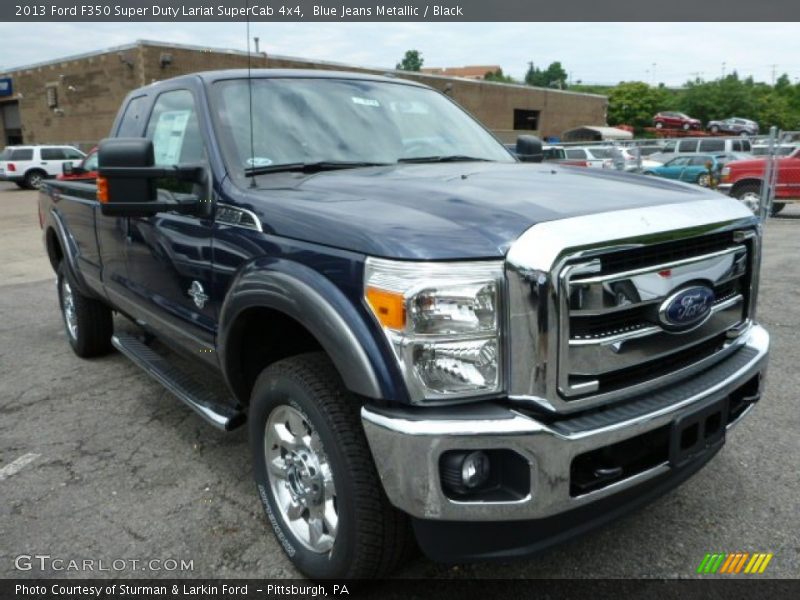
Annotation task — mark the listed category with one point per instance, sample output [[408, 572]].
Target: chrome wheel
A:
[[751, 200], [301, 479], [703, 180], [68, 305], [35, 180]]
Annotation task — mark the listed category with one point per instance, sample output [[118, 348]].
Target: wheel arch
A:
[[743, 183], [278, 308]]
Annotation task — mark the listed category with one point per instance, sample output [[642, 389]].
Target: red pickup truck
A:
[[742, 179]]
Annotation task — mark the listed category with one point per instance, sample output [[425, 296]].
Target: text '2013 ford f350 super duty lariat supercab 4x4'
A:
[[427, 338]]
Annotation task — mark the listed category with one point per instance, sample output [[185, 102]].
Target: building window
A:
[[526, 119], [52, 96]]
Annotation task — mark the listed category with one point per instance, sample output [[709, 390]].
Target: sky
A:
[[604, 53]]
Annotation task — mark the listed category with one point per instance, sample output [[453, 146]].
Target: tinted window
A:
[[712, 145], [174, 129], [668, 147], [72, 154], [677, 162], [699, 160], [600, 152], [687, 146], [736, 146], [576, 153], [132, 122], [53, 154], [22, 154], [553, 153], [746, 146], [90, 164], [6, 154]]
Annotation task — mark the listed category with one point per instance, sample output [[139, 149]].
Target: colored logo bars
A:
[[735, 563]]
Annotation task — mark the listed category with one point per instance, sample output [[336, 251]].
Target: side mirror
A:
[[529, 149], [67, 168], [126, 183]]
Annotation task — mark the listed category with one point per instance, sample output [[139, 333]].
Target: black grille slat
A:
[[645, 371], [649, 256]]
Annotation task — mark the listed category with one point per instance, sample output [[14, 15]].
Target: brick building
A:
[[74, 100]]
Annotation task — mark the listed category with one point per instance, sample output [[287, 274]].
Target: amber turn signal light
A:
[[389, 307], [102, 190]]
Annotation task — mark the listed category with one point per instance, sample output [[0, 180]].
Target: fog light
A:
[[463, 472], [475, 469]]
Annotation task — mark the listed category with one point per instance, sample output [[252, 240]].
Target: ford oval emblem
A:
[[686, 308]]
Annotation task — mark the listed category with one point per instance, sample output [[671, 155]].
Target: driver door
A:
[[169, 254]]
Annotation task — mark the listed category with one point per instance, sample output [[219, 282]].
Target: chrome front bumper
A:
[[407, 446], [725, 188]]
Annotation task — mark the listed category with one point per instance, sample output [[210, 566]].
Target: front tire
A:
[[749, 194], [659, 125], [714, 129], [88, 322], [315, 476], [686, 126]]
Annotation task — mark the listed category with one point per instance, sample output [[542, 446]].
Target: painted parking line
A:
[[16, 466]]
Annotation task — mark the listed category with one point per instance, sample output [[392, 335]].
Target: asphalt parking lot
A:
[[116, 468]]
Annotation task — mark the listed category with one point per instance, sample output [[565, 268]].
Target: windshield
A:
[[305, 121]]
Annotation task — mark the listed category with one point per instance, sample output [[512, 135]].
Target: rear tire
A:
[[714, 129], [776, 208], [34, 179], [88, 322], [315, 475]]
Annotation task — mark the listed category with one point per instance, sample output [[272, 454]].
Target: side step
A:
[[186, 388]]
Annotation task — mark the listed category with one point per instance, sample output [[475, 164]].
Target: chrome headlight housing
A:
[[443, 323]]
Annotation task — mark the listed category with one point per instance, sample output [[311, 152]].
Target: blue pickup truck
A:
[[430, 340]]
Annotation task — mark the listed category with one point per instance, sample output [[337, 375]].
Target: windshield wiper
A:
[[447, 158], [310, 167]]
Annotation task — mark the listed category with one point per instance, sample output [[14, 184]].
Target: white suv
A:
[[28, 166]]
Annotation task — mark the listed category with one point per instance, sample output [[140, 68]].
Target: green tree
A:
[[554, 76], [498, 76], [412, 61], [634, 103]]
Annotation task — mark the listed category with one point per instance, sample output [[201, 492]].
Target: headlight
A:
[[725, 173], [443, 323]]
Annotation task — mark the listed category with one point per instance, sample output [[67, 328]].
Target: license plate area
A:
[[698, 431]]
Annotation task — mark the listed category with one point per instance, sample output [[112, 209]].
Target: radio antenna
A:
[[250, 97]]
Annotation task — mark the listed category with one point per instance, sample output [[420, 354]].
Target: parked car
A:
[[720, 145], [423, 340], [598, 157], [632, 163], [85, 171], [558, 154], [742, 179], [733, 125], [778, 149], [691, 169], [28, 166], [675, 120]]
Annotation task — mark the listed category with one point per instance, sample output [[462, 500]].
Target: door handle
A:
[[44, 162]]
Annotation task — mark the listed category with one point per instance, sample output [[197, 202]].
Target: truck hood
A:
[[446, 211]]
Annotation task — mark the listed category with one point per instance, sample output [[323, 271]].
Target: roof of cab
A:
[[212, 76]]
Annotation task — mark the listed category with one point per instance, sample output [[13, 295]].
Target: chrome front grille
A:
[[586, 322], [610, 319]]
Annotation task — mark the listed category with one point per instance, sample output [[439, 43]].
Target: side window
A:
[[53, 154], [687, 146], [712, 145], [132, 122], [575, 153], [72, 154], [700, 161], [90, 164], [175, 130], [736, 146], [668, 148], [746, 146], [23, 154]]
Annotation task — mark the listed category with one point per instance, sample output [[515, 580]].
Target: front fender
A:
[[316, 303]]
